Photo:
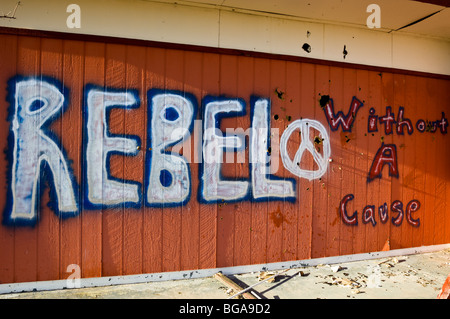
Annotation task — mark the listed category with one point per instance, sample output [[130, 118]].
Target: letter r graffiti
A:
[[35, 103]]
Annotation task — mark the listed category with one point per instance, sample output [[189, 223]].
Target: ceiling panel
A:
[[437, 25], [395, 14]]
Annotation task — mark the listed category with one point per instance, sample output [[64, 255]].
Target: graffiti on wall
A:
[[35, 154], [386, 155]]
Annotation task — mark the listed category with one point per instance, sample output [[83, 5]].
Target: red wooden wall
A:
[[122, 241]]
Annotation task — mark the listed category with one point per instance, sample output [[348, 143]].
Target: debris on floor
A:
[[233, 287], [336, 268], [263, 275]]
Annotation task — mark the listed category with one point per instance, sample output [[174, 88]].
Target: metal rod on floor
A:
[[250, 287]]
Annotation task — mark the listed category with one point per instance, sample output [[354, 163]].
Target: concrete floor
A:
[[414, 276]]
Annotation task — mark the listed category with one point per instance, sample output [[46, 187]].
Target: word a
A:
[[369, 213], [386, 155]]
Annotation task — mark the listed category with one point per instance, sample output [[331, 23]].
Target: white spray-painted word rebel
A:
[[36, 153]]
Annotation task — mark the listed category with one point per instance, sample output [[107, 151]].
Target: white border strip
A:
[[202, 273]]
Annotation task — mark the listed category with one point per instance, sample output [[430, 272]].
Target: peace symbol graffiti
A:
[[306, 145]]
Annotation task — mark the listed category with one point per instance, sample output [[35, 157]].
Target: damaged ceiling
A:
[[426, 18]]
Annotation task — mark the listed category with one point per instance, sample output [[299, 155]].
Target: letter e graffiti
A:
[[73, 281], [74, 19], [374, 19]]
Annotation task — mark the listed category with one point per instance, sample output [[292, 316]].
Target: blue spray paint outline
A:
[[86, 202], [148, 153], [45, 173], [292, 199], [340, 114], [208, 99]]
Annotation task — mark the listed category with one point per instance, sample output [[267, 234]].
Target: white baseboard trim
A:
[[202, 273]]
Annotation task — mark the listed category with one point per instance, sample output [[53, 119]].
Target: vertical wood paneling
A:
[[259, 234], [134, 124], [393, 188], [359, 139], [72, 121], [25, 245], [398, 233], [291, 112], [348, 156], [320, 203], [430, 185], [277, 212], [446, 173], [8, 46], [208, 213], [439, 141], [190, 236], [378, 190], [305, 193], [420, 156], [48, 236], [152, 240], [243, 211], [408, 149], [91, 225], [112, 223], [171, 225], [121, 240], [225, 216], [332, 184]]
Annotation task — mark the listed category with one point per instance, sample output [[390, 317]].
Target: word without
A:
[[402, 123]]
